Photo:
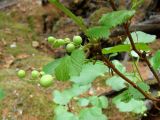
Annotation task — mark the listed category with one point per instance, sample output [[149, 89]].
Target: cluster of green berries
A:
[[70, 45], [45, 79]]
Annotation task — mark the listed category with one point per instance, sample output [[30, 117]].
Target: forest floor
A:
[[23, 46]]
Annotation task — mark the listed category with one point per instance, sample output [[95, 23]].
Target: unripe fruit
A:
[[42, 73], [51, 39], [21, 73], [35, 74], [77, 40], [61, 42], [67, 40], [55, 44], [70, 47], [46, 80]]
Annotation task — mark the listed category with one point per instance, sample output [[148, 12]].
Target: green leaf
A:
[[141, 37], [79, 89], [135, 93], [61, 113], [50, 67], [124, 96], [155, 60], [83, 102], [125, 48], [98, 32], [77, 60], [1, 94], [119, 66], [70, 65], [135, 106], [103, 102], [62, 70], [121, 82], [63, 98], [115, 18], [94, 100], [89, 73], [136, 3], [113, 83], [93, 113]]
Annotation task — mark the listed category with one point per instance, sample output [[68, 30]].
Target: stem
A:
[[135, 64], [141, 55], [109, 64], [77, 20]]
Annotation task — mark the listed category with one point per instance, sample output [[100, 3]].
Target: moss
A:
[[28, 98]]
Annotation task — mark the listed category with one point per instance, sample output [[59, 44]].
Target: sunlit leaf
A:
[[61, 113], [115, 18], [93, 113], [89, 73], [141, 37]]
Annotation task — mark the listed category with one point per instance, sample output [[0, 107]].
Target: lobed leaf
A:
[[135, 106], [93, 113], [141, 37], [155, 60], [125, 48], [98, 32], [61, 113], [89, 73], [115, 18]]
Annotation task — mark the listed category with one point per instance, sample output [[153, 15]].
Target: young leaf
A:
[[121, 82], [98, 32], [93, 113], [125, 48], [116, 82], [155, 60], [136, 3], [83, 102], [141, 37], [79, 89], [63, 98], [135, 93], [119, 66], [103, 102], [89, 73], [61, 113], [135, 106], [124, 96], [115, 18]]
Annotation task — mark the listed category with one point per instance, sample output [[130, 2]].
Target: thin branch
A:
[[109, 64]]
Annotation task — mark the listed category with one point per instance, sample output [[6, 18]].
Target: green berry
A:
[[55, 44], [77, 40], [46, 80], [35, 74], [42, 73], [70, 47], [67, 40], [61, 42], [21, 73], [51, 39]]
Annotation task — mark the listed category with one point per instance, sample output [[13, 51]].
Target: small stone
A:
[[35, 44]]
